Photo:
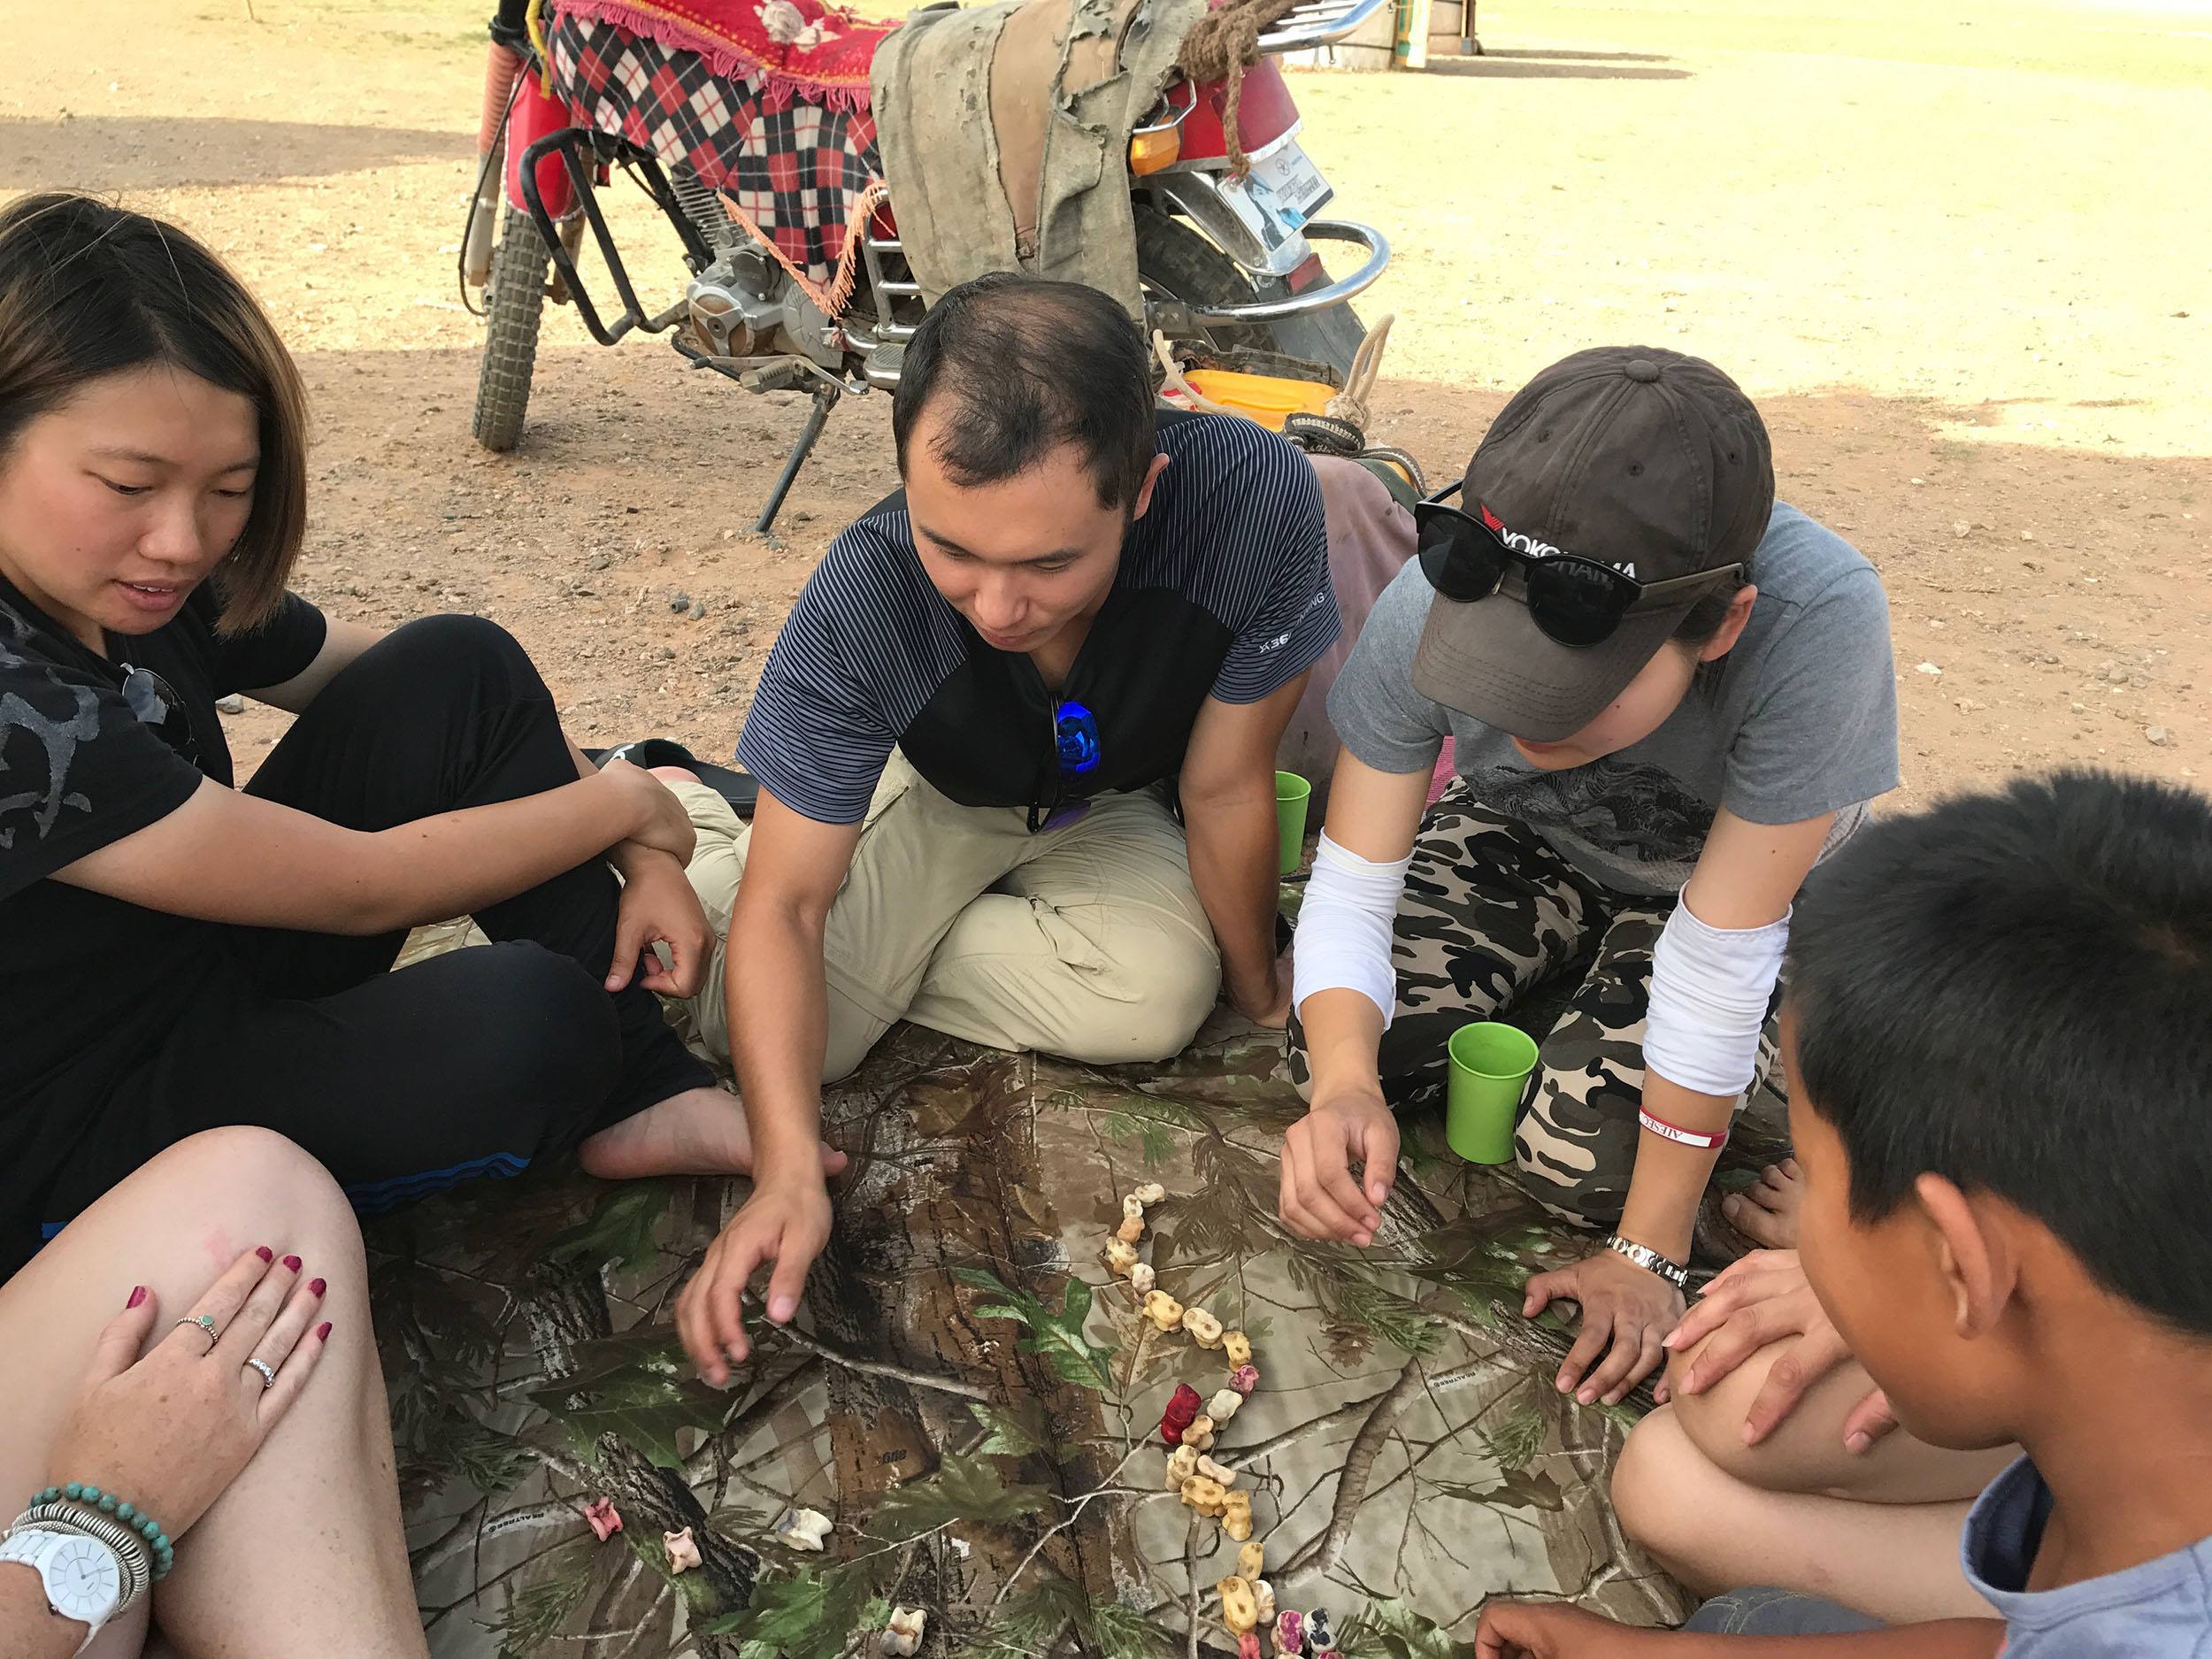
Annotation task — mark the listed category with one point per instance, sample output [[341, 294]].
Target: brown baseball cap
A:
[[1645, 459]]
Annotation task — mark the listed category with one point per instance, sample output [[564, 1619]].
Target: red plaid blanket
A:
[[800, 48], [766, 103]]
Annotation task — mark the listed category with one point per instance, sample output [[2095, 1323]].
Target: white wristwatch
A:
[[83, 1577]]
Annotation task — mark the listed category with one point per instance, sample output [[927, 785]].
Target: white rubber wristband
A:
[[1343, 941], [1680, 1136]]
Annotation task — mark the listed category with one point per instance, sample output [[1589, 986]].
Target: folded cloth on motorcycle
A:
[[1047, 191], [796, 48], [799, 163]]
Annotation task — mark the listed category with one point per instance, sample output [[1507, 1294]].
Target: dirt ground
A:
[[1960, 261]]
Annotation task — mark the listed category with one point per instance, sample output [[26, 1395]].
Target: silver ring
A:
[[268, 1376], [205, 1321]]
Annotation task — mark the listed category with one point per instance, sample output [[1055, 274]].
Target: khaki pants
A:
[[1087, 941]]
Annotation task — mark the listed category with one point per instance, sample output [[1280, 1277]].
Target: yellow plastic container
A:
[[1262, 397]]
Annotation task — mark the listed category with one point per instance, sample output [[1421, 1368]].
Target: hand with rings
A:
[[173, 1429]]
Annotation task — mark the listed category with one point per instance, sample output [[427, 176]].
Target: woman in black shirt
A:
[[176, 954]]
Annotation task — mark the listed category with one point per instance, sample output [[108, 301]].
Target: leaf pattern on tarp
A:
[[638, 1389], [1056, 1334], [975, 1402], [962, 1489]]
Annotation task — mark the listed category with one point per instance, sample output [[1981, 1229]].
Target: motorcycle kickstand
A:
[[824, 399]]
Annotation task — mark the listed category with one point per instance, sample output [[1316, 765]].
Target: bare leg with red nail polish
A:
[[304, 1552]]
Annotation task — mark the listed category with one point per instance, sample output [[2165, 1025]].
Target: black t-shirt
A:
[[89, 984], [1223, 591]]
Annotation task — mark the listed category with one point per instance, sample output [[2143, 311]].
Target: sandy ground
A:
[[1960, 260]]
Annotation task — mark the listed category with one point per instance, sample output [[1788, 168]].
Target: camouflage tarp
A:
[[973, 1399]]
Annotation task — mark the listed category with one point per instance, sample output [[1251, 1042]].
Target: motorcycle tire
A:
[[1175, 261], [514, 301]]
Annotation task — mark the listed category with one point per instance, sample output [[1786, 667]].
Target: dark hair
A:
[[1701, 622], [1703, 619], [88, 289], [1029, 366], [2014, 991]]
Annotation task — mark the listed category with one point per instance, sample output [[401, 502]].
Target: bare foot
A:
[[1767, 1213], [700, 1132]]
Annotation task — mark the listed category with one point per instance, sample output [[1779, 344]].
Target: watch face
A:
[[83, 1579]]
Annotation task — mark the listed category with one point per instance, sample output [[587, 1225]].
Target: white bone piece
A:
[[803, 1529], [1239, 1607], [904, 1634], [1182, 1464]]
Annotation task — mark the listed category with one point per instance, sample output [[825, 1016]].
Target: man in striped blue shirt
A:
[[1016, 746]]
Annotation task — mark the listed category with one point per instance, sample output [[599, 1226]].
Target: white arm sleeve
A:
[[1709, 991], [1344, 927]]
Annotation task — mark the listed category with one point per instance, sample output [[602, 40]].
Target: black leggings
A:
[[470, 1064]]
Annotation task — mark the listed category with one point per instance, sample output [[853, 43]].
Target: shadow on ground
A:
[[108, 153], [1498, 64]]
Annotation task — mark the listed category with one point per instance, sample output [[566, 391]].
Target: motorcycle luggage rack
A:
[[569, 144], [1317, 23]]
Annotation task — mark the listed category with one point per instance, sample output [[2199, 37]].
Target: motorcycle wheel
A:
[[514, 300], [1176, 263]]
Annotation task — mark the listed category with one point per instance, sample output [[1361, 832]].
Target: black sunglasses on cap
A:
[[1574, 600]]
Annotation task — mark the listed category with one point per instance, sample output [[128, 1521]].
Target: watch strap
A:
[[57, 1522], [1650, 1261]]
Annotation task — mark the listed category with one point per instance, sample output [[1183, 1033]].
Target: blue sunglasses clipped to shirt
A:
[[1075, 740]]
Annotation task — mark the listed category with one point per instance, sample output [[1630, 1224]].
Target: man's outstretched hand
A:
[[786, 1221], [1626, 1313]]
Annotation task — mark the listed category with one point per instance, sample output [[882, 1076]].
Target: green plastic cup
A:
[[1292, 795], [1490, 1066]]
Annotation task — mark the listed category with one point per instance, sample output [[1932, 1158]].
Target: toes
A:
[[1758, 1224]]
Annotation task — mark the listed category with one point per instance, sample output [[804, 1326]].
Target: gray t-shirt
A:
[[2162, 1610], [1800, 720]]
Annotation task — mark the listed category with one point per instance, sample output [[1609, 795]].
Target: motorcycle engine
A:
[[736, 304]]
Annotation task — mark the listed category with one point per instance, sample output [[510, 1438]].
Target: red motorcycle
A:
[[1225, 259]]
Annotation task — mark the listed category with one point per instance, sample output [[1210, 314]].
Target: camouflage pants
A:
[[1490, 914]]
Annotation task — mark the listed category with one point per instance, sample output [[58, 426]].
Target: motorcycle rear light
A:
[[1153, 150]]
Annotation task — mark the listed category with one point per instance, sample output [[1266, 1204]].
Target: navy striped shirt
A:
[[1223, 591]]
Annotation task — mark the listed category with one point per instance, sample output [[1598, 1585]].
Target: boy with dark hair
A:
[[1977, 995], [1016, 746]]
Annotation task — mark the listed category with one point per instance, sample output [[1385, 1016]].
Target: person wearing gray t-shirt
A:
[[1668, 696]]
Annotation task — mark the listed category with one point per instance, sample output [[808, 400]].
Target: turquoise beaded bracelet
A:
[[165, 1553]]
